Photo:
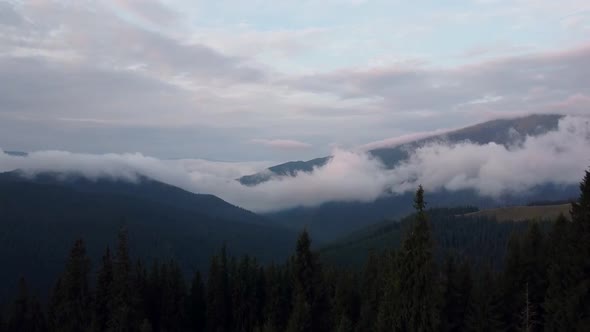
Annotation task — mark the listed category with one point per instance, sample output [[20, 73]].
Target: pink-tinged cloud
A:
[[282, 144], [403, 139], [152, 11]]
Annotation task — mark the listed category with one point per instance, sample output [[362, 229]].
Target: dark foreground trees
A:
[[544, 285]]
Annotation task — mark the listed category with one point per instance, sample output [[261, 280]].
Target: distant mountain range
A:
[[40, 218], [333, 219], [501, 131]]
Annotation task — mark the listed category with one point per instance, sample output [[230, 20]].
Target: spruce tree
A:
[[579, 295], [123, 315], [70, 308], [153, 300], [25, 313], [103, 295], [173, 299], [278, 297], [246, 295], [196, 304], [18, 320], [310, 303], [76, 294], [54, 313], [140, 291], [37, 319], [534, 274], [513, 286], [483, 312], [218, 295], [371, 292], [2, 323], [456, 294], [345, 325], [560, 277], [346, 303], [418, 284], [389, 306]]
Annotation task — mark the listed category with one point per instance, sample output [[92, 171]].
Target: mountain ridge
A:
[[500, 131]]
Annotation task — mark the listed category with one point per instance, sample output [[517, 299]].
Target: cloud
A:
[[79, 71], [559, 157], [508, 84], [402, 139], [152, 11], [282, 144], [8, 15]]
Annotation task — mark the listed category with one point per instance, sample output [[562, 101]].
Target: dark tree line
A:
[[544, 285]]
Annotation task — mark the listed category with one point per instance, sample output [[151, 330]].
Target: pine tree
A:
[[559, 277], [534, 274], [123, 317], [513, 285], [346, 303], [371, 291], [2, 324], [173, 299], [71, 301], [310, 303], [146, 326], [456, 293], [37, 319], [18, 318], [140, 291], [25, 313], [246, 295], [528, 316], [196, 305], [418, 284], [153, 298], [345, 325], [218, 295], [579, 295], [388, 289], [278, 297], [103, 293], [483, 312]]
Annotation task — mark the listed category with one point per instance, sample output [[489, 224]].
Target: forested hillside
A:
[[40, 217], [332, 220], [543, 284], [482, 240]]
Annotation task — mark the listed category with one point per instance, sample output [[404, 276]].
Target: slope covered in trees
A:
[[332, 220], [456, 231], [39, 218], [543, 285]]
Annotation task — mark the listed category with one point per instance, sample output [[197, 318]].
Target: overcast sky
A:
[[279, 80]]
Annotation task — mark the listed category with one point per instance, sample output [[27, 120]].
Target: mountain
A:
[[501, 131], [143, 188], [330, 220], [41, 217]]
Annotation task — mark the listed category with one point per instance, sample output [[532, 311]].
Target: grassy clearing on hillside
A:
[[519, 213]]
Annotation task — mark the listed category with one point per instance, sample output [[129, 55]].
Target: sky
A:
[[279, 80]]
